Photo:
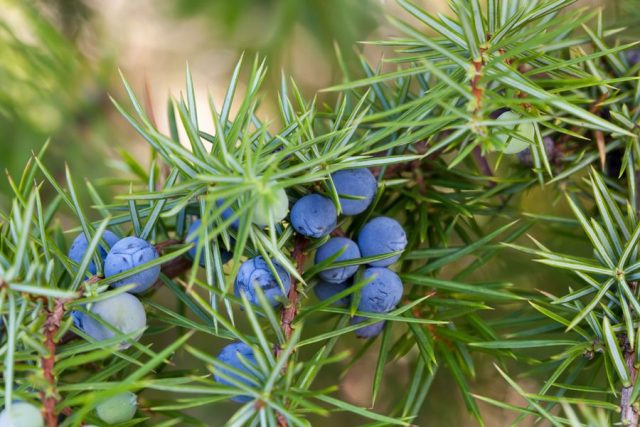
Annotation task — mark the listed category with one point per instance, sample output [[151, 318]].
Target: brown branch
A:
[[51, 327], [288, 313], [476, 89], [629, 411]]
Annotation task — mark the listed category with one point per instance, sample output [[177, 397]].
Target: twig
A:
[[629, 412], [51, 326], [478, 92], [288, 313]]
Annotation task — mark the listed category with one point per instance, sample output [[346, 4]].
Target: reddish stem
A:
[[288, 313], [629, 412], [51, 328]]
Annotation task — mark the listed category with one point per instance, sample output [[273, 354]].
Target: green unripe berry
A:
[[21, 414], [118, 409], [521, 136], [273, 203]]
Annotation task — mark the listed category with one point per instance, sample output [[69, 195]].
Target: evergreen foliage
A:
[[434, 134]]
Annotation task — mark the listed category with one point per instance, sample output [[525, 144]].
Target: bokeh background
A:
[[59, 62]]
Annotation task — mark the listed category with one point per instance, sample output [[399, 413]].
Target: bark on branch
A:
[[629, 411], [288, 313]]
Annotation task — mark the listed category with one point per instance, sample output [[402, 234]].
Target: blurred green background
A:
[[59, 63]]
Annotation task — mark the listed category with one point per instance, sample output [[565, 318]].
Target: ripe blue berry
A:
[[79, 247], [256, 273], [369, 331], [314, 216], [382, 235], [227, 213], [123, 312], [21, 414], [358, 183], [231, 355], [325, 290], [330, 248], [129, 253], [192, 237], [382, 293], [274, 204], [118, 409]]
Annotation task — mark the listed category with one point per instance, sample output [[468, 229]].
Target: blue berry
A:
[[230, 355], [369, 331], [325, 290], [274, 204], [228, 213], [21, 414], [79, 247], [256, 273], [382, 293], [382, 235], [192, 237], [314, 216], [118, 409], [330, 248], [123, 312], [130, 253], [357, 183]]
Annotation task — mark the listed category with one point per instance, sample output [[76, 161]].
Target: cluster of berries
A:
[[122, 312], [312, 216], [315, 216]]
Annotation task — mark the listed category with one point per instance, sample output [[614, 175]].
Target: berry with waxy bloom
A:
[[382, 235], [382, 293], [122, 312], [127, 254], [348, 251], [368, 331], [79, 248], [118, 409], [314, 216], [359, 185], [254, 273], [325, 290], [21, 414], [233, 355]]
